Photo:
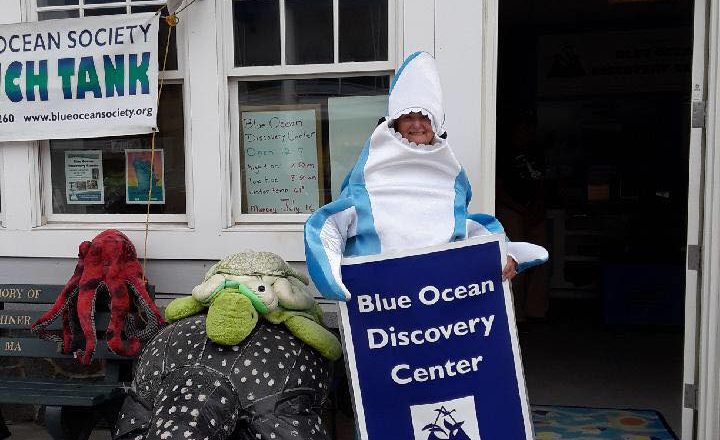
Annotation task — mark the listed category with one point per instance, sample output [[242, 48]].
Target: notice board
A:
[[281, 159]]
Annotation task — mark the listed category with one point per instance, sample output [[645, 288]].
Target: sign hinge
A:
[[690, 396], [698, 114], [694, 257]]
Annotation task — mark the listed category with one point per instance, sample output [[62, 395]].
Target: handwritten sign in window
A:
[[280, 149]]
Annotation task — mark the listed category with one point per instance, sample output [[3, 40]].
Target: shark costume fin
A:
[[326, 233], [526, 255]]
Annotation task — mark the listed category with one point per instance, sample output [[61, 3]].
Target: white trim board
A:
[[708, 423]]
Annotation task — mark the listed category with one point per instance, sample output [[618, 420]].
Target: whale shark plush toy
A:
[[401, 195]]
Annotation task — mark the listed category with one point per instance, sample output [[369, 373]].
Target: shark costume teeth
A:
[[400, 195]]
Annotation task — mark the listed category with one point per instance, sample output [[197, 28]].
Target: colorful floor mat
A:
[[577, 423]]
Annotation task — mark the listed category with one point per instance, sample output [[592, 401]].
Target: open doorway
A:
[[592, 160]]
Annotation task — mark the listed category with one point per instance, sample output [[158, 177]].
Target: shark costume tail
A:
[[400, 195]]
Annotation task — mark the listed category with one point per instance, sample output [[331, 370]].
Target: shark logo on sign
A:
[[450, 420]]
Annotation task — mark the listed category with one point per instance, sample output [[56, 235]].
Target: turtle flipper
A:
[[315, 335], [180, 308], [231, 318]]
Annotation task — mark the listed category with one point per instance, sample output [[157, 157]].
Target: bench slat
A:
[[38, 293], [41, 385], [18, 318], [50, 400], [46, 392], [54, 399], [35, 347]]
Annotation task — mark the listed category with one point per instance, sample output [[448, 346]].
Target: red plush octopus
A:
[[107, 263]]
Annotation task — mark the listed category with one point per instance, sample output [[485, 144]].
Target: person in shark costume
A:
[[401, 194]]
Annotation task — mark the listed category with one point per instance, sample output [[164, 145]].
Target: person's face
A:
[[415, 127]]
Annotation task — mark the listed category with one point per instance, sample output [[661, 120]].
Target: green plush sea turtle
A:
[[243, 287]]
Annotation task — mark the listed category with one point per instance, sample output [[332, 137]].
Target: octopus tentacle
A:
[[119, 308], [71, 327], [70, 323], [66, 296], [154, 317], [86, 301], [59, 308], [136, 282], [67, 331]]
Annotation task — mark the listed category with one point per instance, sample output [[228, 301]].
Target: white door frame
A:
[[708, 306], [694, 223]]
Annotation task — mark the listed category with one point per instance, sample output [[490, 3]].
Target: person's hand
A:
[[510, 269]]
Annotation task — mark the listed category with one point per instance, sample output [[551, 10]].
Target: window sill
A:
[[266, 227], [116, 218], [84, 226]]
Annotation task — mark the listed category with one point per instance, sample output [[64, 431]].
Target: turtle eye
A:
[[261, 288]]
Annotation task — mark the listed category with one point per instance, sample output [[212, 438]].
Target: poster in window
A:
[[84, 177], [280, 159], [144, 175]]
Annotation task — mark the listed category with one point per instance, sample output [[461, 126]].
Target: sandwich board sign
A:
[[431, 346]]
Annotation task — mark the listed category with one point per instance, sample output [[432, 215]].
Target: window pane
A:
[[111, 186], [53, 15], [300, 137], [308, 31], [90, 2], [105, 11], [363, 30], [257, 32], [172, 58], [44, 3]]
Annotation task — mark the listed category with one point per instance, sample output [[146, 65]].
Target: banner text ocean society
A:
[[121, 73]]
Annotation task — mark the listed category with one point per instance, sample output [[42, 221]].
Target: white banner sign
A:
[[79, 77]]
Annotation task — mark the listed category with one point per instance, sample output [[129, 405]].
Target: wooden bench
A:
[[72, 406]]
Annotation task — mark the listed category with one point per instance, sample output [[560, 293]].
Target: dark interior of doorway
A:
[[592, 156]]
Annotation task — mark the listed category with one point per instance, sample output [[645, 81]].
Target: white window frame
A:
[[2, 188], [235, 219], [169, 77]]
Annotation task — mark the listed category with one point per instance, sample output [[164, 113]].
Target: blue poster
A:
[[431, 345]]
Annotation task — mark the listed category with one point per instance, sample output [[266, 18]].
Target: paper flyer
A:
[[84, 177]]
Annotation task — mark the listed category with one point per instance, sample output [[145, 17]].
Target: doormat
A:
[[578, 423]]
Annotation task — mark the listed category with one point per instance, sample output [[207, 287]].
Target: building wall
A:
[[35, 249]]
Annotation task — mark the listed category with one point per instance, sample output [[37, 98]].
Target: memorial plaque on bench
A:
[[29, 293]]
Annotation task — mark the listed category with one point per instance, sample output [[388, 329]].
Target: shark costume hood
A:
[[400, 195], [416, 88]]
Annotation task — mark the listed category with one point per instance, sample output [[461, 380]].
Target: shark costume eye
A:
[[261, 288]]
